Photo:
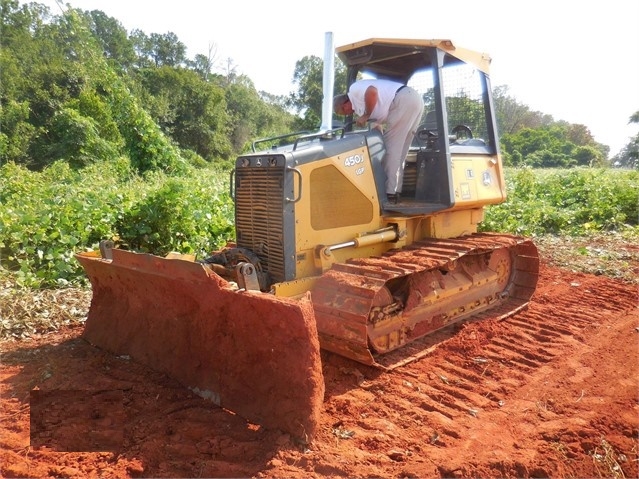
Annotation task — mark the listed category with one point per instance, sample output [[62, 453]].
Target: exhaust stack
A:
[[327, 83]]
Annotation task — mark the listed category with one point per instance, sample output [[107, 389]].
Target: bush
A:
[[572, 202], [185, 215], [49, 216]]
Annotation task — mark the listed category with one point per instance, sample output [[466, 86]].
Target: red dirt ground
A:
[[550, 392]]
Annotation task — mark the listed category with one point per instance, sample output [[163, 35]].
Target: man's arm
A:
[[370, 101]]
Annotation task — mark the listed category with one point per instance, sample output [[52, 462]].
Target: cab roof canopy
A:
[[400, 58]]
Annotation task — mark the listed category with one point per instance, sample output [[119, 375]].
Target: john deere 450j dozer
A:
[[320, 259]]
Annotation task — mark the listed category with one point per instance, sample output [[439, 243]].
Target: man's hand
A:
[[362, 120]]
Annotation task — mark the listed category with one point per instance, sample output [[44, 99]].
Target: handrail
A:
[[306, 136], [272, 138]]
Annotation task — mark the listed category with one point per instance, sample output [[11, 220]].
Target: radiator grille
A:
[[259, 221]]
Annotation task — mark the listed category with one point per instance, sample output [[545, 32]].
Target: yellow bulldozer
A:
[[321, 259]]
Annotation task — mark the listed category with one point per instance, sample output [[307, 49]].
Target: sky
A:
[[577, 61]]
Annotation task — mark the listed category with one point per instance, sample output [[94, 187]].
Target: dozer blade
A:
[[252, 353], [372, 309]]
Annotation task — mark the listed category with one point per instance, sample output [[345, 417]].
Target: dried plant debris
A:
[[607, 254], [607, 461], [26, 312]]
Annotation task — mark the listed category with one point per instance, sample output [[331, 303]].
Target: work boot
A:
[[392, 198]]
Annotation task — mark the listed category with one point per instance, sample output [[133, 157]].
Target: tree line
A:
[[78, 87]]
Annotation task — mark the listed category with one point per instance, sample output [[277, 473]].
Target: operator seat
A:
[[426, 131]]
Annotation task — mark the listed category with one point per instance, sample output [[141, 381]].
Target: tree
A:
[[39, 74], [203, 64], [118, 48], [546, 147], [513, 116], [628, 157], [309, 77], [76, 139], [535, 139], [61, 99], [76, 87], [189, 109], [142, 47], [252, 116], [16, 132], [167, 50]]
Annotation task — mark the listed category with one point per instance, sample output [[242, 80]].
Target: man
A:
[[399, 107]]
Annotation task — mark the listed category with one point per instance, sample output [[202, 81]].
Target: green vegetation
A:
[[106, 133], [50, 215], [79, 88], [566, 202]]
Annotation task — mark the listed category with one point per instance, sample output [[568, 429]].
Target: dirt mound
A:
[[551, 391]]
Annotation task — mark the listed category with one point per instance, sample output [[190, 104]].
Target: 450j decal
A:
[[353, 160]]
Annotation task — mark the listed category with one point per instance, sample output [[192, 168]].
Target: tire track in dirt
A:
[[488, 359]]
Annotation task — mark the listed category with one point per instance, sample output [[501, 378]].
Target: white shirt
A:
[[386, 90]]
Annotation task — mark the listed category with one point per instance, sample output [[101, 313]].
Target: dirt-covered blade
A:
[[252, 353]]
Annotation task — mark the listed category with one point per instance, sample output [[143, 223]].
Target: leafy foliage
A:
[[76, 138], [79, 109], [185, 215], [136, 94], [76, 88], [309, 76], [251, 117], [113, 39], [571, 202], [531, 138], [548, 147], [188, 109], [628, 157], [48, 216]]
